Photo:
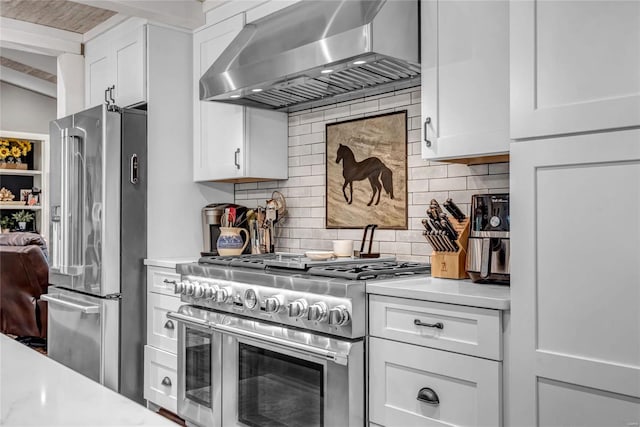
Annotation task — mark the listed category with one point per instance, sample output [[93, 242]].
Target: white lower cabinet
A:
[[434, 364], [160, 360], [417, 386], [161, 378]]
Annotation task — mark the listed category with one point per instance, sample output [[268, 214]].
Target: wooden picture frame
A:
[[366, 172]]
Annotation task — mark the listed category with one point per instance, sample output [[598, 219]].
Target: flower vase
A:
[[22, 225]]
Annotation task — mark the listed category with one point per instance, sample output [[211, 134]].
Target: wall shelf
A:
[[20, 207], [38, 176], [20, 172]]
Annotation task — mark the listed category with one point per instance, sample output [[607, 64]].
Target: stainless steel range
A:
[[281, 334]]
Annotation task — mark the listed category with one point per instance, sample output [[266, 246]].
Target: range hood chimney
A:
[[318, 52]]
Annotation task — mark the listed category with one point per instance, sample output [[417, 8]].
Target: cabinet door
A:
[[218, 131], [465, 78], [129, 67], [467, 388], [575, 205], [98, 73], [575, 66]]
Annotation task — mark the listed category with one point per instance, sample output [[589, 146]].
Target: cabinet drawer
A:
[[468, 388], [156, 277], [162, 332], [161, 367], [468, 330]]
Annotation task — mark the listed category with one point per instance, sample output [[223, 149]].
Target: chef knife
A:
[[454, 210]]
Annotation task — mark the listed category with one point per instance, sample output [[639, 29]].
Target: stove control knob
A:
[[224, 294], [272, 304], [188, 288], [298, 308], [209, 293], [198, 290], [339, 316], [214, 293], [317, 311]]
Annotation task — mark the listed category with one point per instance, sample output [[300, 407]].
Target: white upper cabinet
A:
[[575, 66], [465, 79], [117, 58], [233, 143]]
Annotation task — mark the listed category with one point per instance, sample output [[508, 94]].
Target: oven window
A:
[[278, 390], [198, 367]]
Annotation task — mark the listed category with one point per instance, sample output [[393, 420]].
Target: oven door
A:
[[198, 371], [275, 376]]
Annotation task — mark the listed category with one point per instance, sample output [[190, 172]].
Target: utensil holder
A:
[[452, 265]]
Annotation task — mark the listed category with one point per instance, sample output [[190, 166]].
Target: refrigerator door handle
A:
[[87, 309], [133, 169], [72, 194]]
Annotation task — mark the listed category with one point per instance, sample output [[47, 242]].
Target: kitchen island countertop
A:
[[463, 292], [36, 390]]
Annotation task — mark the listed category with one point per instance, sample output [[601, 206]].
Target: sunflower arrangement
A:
[[12, 149]]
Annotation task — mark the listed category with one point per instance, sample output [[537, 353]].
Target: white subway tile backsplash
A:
[[428, 172], [488, 181], [395, 101], [304, 226], [299, 129], [455, 169], [365, 107], [459, 183], [498, 168]]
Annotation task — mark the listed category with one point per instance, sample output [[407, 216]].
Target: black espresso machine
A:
[[211, 223], [489, 249]]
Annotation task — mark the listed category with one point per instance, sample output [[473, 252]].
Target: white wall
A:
[[304, 229], [25, 111], [174, 201]]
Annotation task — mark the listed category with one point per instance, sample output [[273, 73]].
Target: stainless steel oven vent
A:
[[319, 52]]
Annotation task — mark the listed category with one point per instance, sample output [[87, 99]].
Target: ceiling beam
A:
[[26, 81], [36, 38], [181, 13]]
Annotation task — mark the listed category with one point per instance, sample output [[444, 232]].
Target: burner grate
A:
[[367, 271]]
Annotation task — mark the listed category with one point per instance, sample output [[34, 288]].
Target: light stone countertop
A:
[[36, 390], [168, 262], [427, 288]]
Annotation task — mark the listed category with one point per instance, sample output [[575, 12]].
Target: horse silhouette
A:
[[372, 168]]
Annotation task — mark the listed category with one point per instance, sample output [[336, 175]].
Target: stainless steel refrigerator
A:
[[96, 298]]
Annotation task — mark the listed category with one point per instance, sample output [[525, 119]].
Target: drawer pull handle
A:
[[169, 325], [170, 282], [438, 325], [427, 395], [167, 381]]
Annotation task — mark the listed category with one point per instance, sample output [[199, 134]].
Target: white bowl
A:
[[318, 255]]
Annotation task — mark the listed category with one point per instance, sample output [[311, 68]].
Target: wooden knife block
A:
[[452, 265]]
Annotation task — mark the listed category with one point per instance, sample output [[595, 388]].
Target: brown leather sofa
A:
[[24, 276]]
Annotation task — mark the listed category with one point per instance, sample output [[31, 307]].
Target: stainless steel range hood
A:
[[317, 52]]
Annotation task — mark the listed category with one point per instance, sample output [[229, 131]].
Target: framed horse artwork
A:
[[367, 172]]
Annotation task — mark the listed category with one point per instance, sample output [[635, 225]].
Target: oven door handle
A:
[[339, 358], [190, 320]]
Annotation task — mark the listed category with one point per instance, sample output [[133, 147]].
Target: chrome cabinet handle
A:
[[427, 395], [166, 381], [427, 121], [169, 325], [236, 159], [438, 325]]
